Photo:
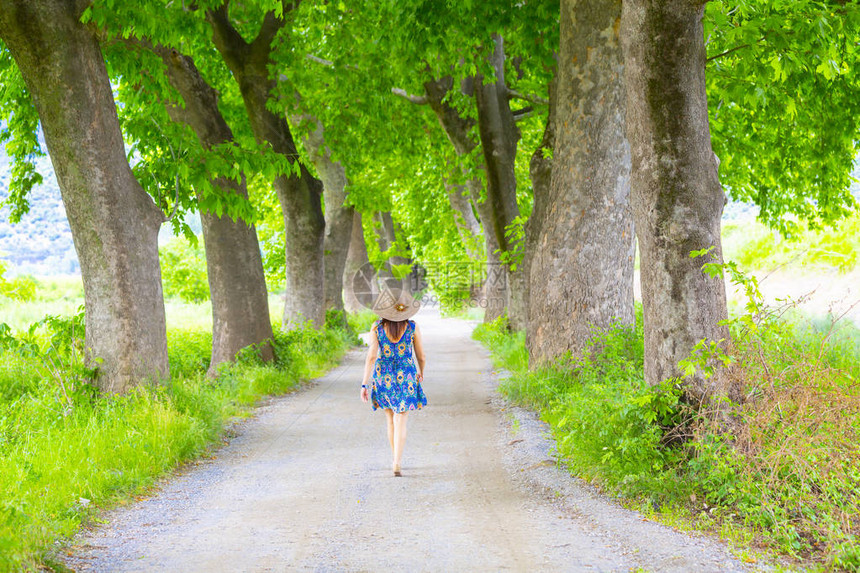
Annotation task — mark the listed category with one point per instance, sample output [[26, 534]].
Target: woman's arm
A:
[[419, 353], [372, 351]]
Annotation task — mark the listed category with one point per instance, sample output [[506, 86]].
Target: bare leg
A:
[[399, 439], [389, 417]]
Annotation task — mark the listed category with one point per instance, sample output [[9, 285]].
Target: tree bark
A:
[[356, 260], [114, 222], [464, 217], [456, 127], [676, 194], [338, 216], [540, 173], [581, 275], [299, 193], [237, 285], [499, 137]]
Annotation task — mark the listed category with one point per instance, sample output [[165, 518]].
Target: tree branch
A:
[[514, 94], [229, 42], [319, 60], [268, 30], [523, 113], [727, 52], [417, 100]]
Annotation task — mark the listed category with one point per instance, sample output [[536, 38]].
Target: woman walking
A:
[[392, 376]]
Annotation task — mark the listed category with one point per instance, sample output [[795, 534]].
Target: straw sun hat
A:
[[395, 306]]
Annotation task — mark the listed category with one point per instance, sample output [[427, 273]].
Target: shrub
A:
[[183, 270], [791, 477], [361, 321], [22, 288], [66, 452]]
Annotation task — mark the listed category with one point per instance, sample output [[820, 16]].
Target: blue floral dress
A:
[[394, 383]]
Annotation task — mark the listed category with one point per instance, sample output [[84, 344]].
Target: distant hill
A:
[[41, 244]]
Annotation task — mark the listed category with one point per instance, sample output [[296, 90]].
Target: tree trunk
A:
[[495, 289], [240, 305], [385, 233], [457, 128], [114, 222], [300, 198], [464, 217], [582, 270], [676, 194], [496, 295], [499, 137], [338, 216], [387, 237], [357, 290], [540, 173], [299, 193]]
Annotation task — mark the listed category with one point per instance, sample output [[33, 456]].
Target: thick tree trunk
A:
[[338, 216], [357, 290], [240, 305], [300, 198], [540, 173], [499, 137], [300, 194], [676, 195], [581, 275], [114, 222]]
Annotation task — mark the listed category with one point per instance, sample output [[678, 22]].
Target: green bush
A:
[[609, 424], [790, 477], [361, 321], [21, 288], [183, 270], [189, 351]]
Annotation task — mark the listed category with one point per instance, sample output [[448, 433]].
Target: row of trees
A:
[[531, 135]]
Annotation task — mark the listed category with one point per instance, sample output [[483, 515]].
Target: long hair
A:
[[394, 329]]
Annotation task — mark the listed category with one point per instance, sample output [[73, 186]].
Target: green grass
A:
[[64, 296], [790, 480], [67, 453], [361, 321]]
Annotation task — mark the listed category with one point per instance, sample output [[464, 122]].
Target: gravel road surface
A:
[[306, 485]]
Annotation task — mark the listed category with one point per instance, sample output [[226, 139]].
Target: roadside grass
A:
[[788, 485], [66, 453], [360, 322]]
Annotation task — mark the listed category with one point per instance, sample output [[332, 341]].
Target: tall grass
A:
[[67, 452], [789, 479]]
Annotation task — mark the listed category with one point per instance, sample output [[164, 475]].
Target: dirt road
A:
[[306, 486]]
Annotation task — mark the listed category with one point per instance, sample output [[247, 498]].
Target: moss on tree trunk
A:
[[581, 272], [676, 194], [114, 222], [237, 284]]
